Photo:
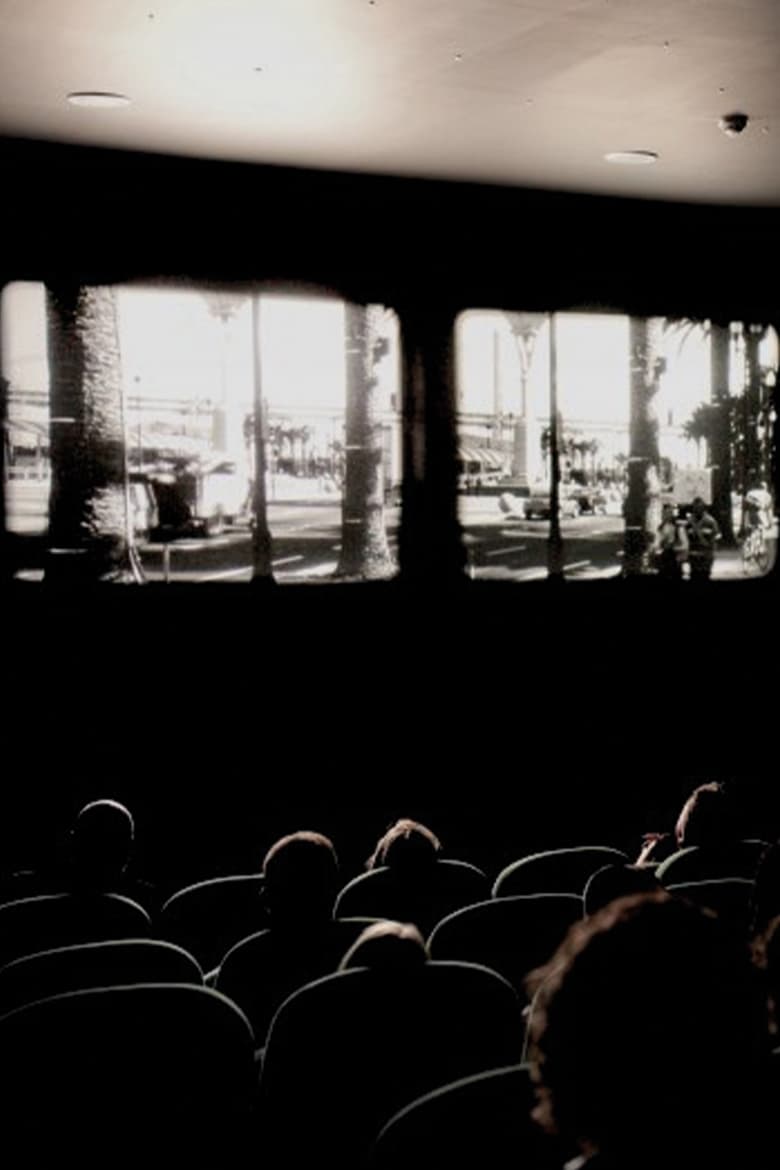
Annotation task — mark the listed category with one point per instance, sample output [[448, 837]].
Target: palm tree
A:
[[717, 426], [90, 529], [702, 426], [364, 549], [643, 499]]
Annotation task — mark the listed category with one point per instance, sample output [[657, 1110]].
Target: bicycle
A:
[[755, 551]]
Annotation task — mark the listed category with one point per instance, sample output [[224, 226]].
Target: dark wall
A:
[[512, 718]]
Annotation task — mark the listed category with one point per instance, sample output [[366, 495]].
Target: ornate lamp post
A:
[[224, 306]]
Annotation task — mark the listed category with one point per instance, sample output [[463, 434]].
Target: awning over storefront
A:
[[487, 457]]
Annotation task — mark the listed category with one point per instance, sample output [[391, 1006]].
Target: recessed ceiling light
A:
[[98, 100], [632, 158]]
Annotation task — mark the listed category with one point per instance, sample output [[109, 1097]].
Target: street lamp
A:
[[223, 306]]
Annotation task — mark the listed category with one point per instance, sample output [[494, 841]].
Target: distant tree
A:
[[715, 424], [702, 427]]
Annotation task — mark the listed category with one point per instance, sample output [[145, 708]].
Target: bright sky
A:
[[593, 374], [174, 347]]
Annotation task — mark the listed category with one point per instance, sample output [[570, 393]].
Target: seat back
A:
[[210, 917], [698, 864], [102, 964], [345, 1053], [555, 871], [49, 921], [482, 1120], [433, 893], [508, 935], [98, 1075], [261, 971], [729, 898]]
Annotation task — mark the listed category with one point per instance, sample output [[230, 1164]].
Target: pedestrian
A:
[[703, 533], [671, 545]]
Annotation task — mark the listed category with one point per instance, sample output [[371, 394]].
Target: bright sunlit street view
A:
[[583, 439]]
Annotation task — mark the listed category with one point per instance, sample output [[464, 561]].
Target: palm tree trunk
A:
[[720, 452], [262, 570], [364, 549], [643, 499], [90, 530]]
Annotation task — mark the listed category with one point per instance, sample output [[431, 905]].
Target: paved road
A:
[[307, 540], [306, 544]]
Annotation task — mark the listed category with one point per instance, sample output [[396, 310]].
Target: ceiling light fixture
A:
[[632, 158], [97, 100]]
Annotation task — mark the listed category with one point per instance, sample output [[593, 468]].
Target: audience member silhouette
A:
[[302, 942], [301, 874], [97, 860], [407, 880], [649, 1039], [705, 843], [387, 946], [101, 845], [407, 847]]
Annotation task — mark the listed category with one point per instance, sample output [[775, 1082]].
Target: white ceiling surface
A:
[[530, 92]]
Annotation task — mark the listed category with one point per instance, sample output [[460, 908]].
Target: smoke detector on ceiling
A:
[[733, 125]]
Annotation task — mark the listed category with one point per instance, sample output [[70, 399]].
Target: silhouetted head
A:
[[667, 512], [101, 840], [387, 946], [407, 845], [648, 1030], [301, 874], [706, 818], [698, 507], [616, 881]]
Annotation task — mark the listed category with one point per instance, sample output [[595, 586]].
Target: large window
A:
[[584, 440], [196, 435], [150, 444]]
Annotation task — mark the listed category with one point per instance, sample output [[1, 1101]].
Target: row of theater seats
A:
[[222, 924], [123, 1019]]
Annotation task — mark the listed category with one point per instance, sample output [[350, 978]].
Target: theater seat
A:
[[102, 964], [699, 864], [156, 1071], [556, 871], [60, 920], [210, 917], [729, 898], [346, 1052], [261, 971], [426, 898], [480, 1121], [509, 935]]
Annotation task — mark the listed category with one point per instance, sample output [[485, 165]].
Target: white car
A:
[[538, 504], [221, 495]]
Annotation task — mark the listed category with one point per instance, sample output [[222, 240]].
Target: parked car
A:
[[590, 498], [537, 505]]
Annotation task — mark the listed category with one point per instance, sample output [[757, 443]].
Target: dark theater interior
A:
[[434, 158]]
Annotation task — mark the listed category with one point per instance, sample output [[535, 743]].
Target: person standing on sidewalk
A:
[[703, 533], [671, 545]]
